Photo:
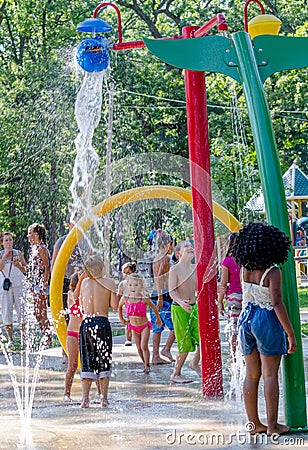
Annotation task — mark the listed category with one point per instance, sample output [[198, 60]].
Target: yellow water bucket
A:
[[264, 24]]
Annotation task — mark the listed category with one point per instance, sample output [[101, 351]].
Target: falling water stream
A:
[[87, 112]]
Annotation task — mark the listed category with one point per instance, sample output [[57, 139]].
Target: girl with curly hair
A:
[[265, 331]]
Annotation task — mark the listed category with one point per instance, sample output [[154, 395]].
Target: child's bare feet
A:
[[158, 360], [195, 368], [259, 429], [84, 404], [279, 429], [167, 354], [104, 402], [179, 379], [67, 399], [146, 369]]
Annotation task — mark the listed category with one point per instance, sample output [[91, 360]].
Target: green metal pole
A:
[[276, 211]]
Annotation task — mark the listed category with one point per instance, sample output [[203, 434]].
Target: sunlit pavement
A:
[[145, 411]]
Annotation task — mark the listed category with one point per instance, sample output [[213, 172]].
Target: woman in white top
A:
[[12, 268]]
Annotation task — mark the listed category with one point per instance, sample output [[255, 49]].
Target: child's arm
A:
[[44, 255], [160, 271], [222, 288], [279, 307], [148, 302], [80, 297], [120, 290], [121, 304], [114, 302], [81, 277], [173, 284], [70, 298]]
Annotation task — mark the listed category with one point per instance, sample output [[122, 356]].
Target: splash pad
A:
[[241, 63], [143, 413]]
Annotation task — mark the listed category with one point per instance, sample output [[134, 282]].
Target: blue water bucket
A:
[[93, 55]]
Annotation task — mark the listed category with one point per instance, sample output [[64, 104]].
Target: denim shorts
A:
[[165, 315], [260, 328]]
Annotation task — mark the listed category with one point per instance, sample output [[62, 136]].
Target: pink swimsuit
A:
[[74, 334], [138, 309], [75, 309]]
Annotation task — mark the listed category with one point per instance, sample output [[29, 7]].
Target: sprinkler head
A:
[[94, 25], [92, 54]]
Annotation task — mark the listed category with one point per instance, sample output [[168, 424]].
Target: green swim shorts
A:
[[186, 328]]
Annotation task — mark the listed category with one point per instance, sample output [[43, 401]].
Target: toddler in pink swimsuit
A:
[[136, 309], [72, 345]]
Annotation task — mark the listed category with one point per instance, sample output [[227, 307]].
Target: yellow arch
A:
[[107, 205]]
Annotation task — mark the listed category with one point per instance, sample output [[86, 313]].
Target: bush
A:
[[303, 297]]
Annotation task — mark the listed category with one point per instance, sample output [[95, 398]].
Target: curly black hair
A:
[[258, 246]]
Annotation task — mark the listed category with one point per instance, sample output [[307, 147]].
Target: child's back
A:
[[98, 294]]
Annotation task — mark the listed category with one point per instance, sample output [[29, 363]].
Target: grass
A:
[[304, 328], [303, 297], [303, 303]]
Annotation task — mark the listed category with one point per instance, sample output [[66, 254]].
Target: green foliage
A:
[[304, 329], [303, 297]]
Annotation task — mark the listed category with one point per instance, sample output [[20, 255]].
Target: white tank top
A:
[[11, 272], [257, 294]]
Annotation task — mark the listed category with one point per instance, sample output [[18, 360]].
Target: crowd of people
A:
[[249, 292]]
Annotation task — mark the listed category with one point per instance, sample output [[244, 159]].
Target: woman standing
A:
[[38, 276], [12, 269]]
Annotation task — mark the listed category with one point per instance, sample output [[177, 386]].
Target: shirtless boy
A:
[[97, 294], [162, 300], [182, 288]]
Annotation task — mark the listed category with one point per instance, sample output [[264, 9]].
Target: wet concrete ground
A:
[[145, 411]]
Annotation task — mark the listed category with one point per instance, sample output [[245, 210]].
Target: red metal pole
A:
[[139, 44], [219, 19], [104, 5], [204, 240], [246, 12], [128, 45]]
